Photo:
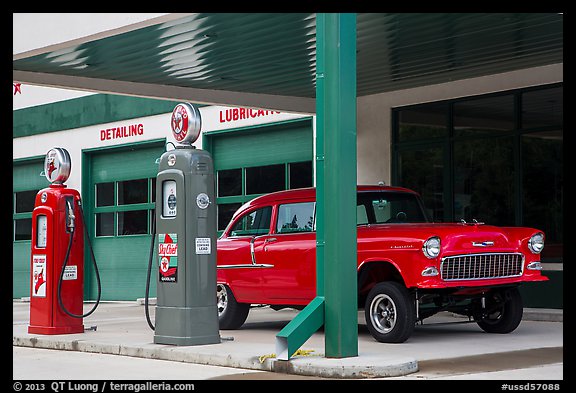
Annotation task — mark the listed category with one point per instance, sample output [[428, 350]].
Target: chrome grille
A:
[[481, 266]]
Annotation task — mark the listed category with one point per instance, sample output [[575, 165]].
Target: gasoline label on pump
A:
[[168, 257]]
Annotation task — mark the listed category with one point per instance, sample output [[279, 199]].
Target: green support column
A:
[[339, 199], [320, 69], [335, 304], [311, 318]]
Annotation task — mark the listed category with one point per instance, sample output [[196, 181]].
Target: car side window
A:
[[295, 217], [253, 223]]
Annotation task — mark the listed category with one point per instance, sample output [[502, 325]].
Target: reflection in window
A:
[[542, 108], [503, 161], [542, 188], [254, 223], [422, 169], [484, 116], [429, 121], [388, 207], [295, 217], [484, 182]]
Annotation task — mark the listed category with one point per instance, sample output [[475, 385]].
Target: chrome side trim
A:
[[244, 266]]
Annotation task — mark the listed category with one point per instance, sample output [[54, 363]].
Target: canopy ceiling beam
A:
[[292, 104]]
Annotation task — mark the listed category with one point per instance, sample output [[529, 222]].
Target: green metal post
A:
[[335, 304], [320, 25], [339, 199]]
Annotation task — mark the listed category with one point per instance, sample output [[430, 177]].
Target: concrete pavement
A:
[[121, 329]]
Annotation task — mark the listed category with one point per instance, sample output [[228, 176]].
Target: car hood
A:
[[453, 236]]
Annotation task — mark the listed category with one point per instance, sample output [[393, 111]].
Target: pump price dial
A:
[[41, 231], [169, 200]]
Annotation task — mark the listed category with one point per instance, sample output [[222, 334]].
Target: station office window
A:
[[124, 207], [497, 158]]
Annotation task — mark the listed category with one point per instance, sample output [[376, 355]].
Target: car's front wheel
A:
[[505, 310], [231, 314], [390, 313]]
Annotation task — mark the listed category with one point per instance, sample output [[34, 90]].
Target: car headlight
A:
[[536, 243], [431, 247]]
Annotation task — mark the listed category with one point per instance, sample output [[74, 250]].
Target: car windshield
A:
[[379, 207]]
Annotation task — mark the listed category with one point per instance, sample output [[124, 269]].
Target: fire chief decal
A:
[[168, 257], [39, 275]]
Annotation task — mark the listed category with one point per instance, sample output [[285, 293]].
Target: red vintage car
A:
[[408, 267]]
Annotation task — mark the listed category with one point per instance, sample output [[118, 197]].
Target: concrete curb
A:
[[122, 332], [365, 365]]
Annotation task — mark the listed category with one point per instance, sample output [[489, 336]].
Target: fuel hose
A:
[[150, 270], [72, 231]]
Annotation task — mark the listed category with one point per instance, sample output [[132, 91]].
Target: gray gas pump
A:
[[186, 312]]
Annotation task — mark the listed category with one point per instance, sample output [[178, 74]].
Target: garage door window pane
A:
[[105, 194], [132, 191], [132, 222], [23, 229], [230, 182], [105, 224], [265, 179], [225, 213], [24, 201], [300, 174]]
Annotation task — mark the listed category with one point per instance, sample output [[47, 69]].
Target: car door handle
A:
[[270, 240]]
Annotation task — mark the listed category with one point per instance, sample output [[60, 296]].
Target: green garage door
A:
[[121, 198], [258, 160], [27, 180]]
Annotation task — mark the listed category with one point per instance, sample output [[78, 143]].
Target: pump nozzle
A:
[[70, 217]]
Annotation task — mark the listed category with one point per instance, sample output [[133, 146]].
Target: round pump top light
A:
[[186, 123], [57, 165]]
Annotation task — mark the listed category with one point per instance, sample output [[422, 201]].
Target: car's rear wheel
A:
[[389, 312], [505, 312], [231, 314]]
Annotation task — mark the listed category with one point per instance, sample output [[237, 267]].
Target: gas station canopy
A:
[[269, 60], [303, 63]]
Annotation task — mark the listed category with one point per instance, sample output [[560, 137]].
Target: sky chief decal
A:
[[168, 257]]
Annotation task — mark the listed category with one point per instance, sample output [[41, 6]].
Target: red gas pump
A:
[[57, 254]]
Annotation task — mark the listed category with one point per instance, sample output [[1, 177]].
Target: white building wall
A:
[[214, 118]]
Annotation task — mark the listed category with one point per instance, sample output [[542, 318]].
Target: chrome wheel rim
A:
[[383, 313], [221, 298]]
